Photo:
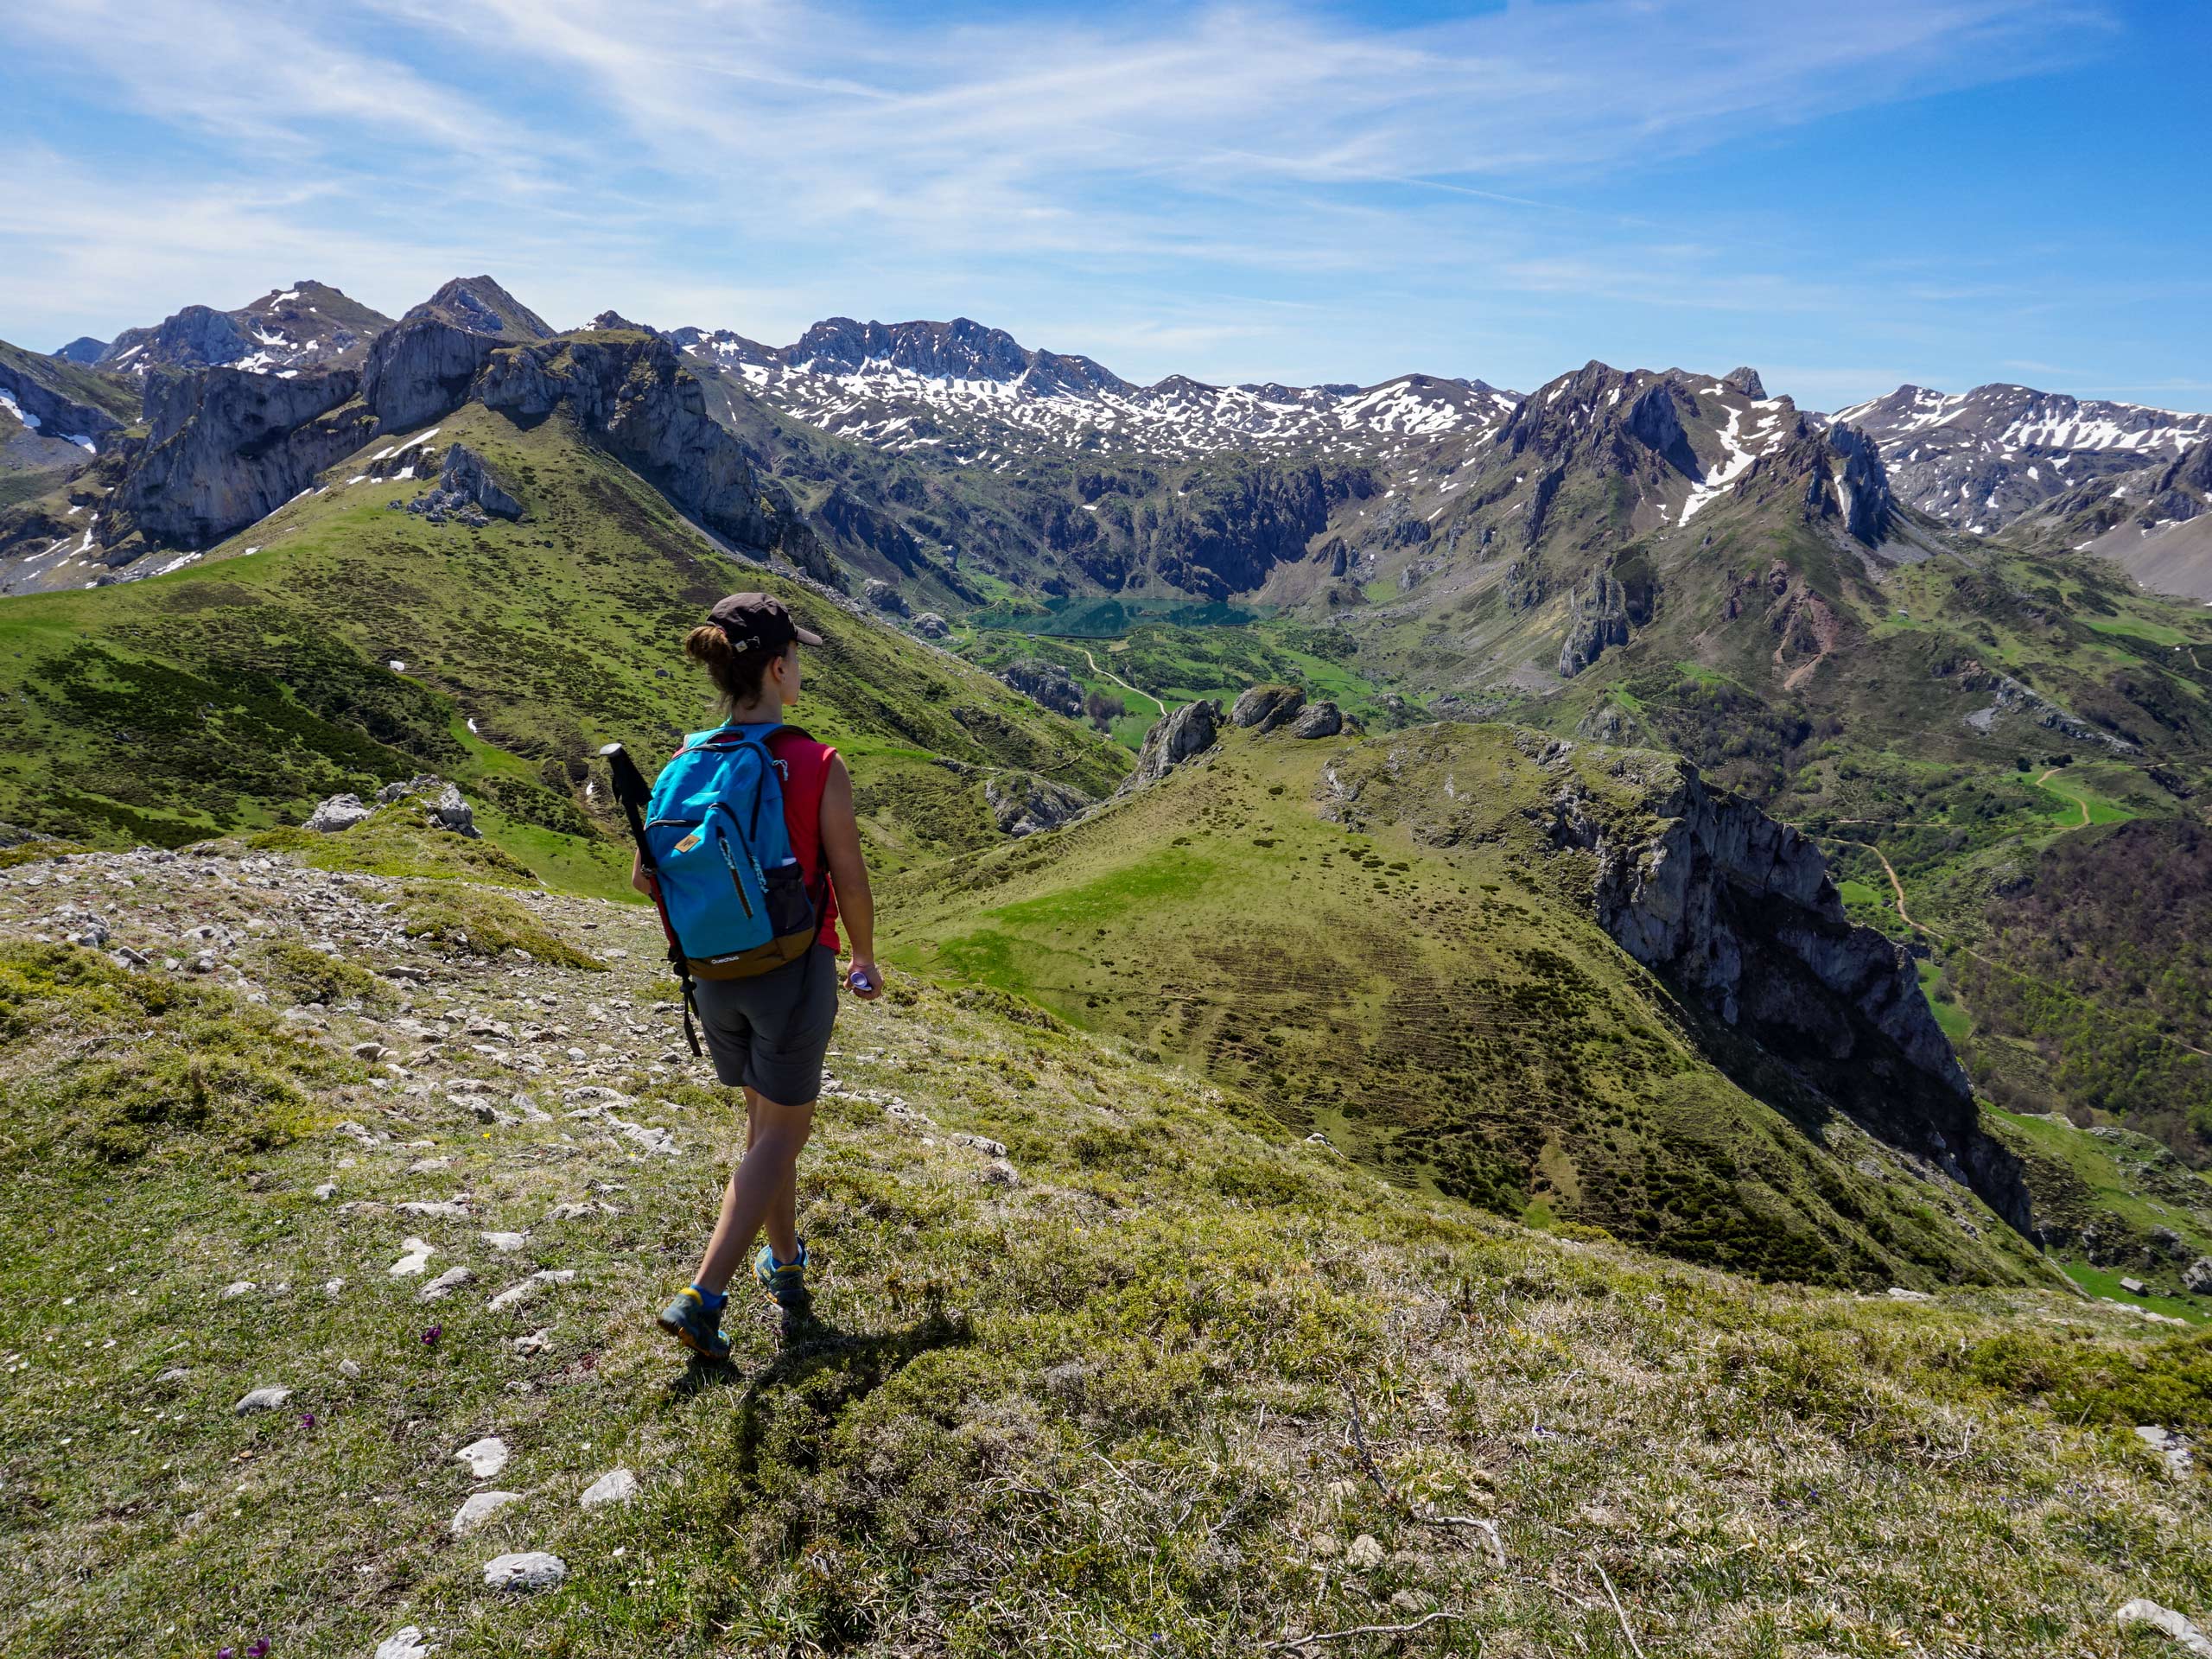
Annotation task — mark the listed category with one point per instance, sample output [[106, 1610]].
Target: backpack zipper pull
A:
[[722, 840]]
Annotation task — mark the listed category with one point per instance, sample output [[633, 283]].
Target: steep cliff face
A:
[[422, 369], [224, 448], [1739, 912]]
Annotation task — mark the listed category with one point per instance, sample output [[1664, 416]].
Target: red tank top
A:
[[805, 766]]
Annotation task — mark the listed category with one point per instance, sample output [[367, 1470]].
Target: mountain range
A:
[[987, 449]]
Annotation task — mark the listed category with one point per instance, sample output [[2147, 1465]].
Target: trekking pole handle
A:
[[630, 786]]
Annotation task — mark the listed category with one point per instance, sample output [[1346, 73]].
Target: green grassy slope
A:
[[233, 693], [2113, 1205], [1436, 1002], [1104, 1408]]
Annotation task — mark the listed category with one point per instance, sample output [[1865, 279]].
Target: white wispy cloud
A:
[[1124, 181]]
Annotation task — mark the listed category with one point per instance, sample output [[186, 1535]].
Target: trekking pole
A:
[[633, 792]]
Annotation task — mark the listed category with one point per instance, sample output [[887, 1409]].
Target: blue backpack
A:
[[732, 889]]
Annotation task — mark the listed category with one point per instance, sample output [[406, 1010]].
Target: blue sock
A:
[[712, 1300]]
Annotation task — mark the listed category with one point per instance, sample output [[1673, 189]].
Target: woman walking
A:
[[767, 1024]]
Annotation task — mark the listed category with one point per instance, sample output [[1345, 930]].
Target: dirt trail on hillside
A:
[[2077, 800], [1119, 681]]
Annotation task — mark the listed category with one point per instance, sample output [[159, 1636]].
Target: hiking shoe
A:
[[687, 1319], [783, 1282]]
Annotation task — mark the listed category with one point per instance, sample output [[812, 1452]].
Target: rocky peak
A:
[[481, 306], [308, 325], [198, 337], [1591, 409], [1057, 374], [723, 346], [959, 350], [83, 349], [1841, 474], [1745, 379], [609, 321], [1981, 459]]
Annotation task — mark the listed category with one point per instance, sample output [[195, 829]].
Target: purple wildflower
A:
[[307, 1420], [259, 1649], [430, 1337]]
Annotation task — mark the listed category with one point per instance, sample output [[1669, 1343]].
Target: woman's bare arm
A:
[[841, 851]]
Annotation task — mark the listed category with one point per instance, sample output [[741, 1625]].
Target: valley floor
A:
[[1106, 1361]]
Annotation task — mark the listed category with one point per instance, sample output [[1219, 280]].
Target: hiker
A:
[[766, 1010]]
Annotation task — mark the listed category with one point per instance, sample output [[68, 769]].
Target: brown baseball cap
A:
[[759, 622]]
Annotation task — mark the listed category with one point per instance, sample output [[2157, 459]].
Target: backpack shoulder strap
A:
[[731, 737]]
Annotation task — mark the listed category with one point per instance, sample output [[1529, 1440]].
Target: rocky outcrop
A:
[[1045, 683], [1189, 731], [1623, 596], [1739, 912], [443, 807], [1266, 707], [1230, 527], [2196, 1278], [466, 490], [882, 596], [1746, 380], [1654, 422], [930, 626], [1857, 486], [853, 523], [1839, 473], [1600, 619], [1024, 804], [1317, 720], [226, 446], [337, 812]]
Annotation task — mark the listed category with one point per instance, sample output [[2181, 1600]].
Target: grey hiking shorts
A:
[[769, 1032]]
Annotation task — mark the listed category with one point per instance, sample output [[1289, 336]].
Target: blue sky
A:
[[1845, 196]]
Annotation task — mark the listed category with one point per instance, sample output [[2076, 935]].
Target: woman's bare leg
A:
[[764, 1188], [781, 1223]]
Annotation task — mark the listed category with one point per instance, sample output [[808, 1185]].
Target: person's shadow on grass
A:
[[819, 1368]]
